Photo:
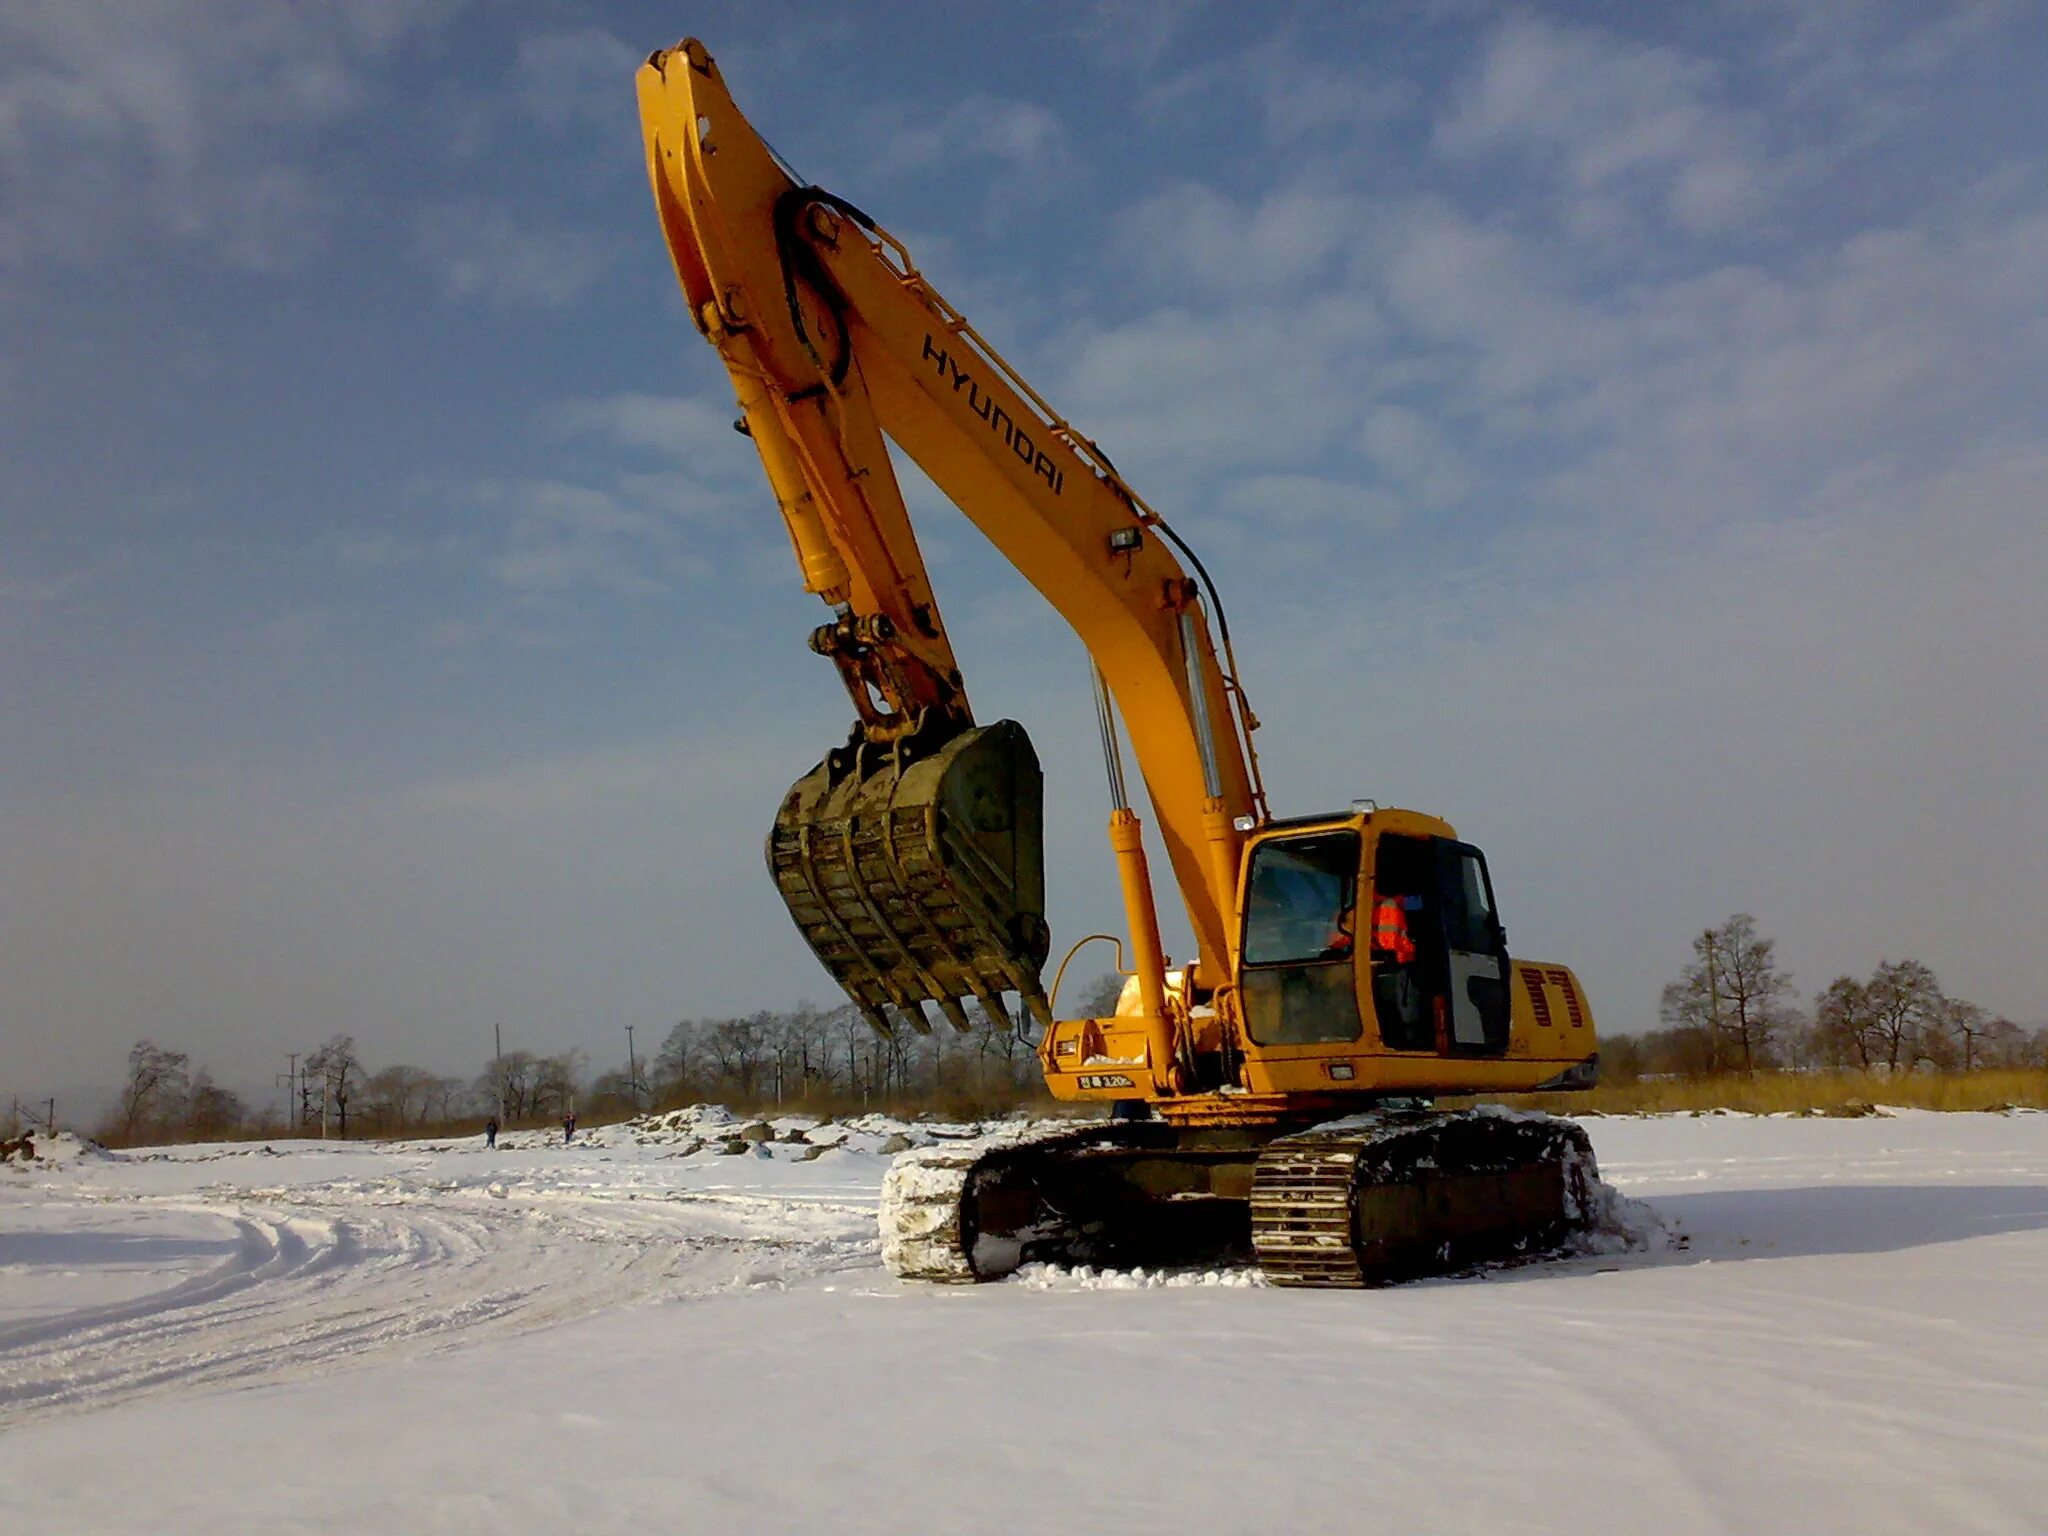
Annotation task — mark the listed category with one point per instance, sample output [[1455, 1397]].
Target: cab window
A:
[[1299, 898], [1300, 923], [1469, 920]]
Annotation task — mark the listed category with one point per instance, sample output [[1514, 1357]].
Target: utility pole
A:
[[1713, 1001], [295, 1105], [632, 1070], [498, 1066]]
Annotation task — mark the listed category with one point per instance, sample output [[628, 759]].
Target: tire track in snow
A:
[[324, 1278]]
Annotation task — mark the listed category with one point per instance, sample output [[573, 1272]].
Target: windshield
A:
[[1299, 899]]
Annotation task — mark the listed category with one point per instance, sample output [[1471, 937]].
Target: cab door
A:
[[1475, 951]]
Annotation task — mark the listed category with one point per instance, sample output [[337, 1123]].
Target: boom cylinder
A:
[[1198, 705], [823, 567], [1148, 960], [1217, 832], [1225, 853], [1127, 841]]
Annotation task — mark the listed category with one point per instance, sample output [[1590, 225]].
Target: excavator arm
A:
[[835, 341]]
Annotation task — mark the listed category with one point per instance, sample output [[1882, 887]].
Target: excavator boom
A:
[[832, 338]]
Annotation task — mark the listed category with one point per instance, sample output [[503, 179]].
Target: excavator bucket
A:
[[918, 875]]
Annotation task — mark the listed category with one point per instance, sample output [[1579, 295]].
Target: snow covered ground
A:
[[644, 1333]]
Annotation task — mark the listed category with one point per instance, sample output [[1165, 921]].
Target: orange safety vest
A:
[[1390, 930]]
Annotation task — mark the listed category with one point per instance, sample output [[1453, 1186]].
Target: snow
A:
[[642, 1332]]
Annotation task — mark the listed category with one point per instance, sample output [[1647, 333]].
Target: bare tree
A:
[[672, 1062], [397, 1096], [337, 1064], [2005, 1044], [854, 1032], [1733, 993], [803, 1051], [555, 1081], [1892, 1020], [508, 1082], [783, 1047], [999, 1046], [211, 1111], [156, 1087], [1842, 1024], [1965, 1023], [1906, 1008], [1098, 999], [444, 1096], [737, 1048], [610, 1091]]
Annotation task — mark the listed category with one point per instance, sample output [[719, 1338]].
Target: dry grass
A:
[[1799, 1092]]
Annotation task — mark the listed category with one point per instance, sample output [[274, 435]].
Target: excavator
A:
[[1272, 1099]]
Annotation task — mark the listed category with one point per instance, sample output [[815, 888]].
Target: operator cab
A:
[[1384, 920]]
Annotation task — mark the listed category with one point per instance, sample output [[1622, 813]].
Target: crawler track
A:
[[1366, 1201], [977, 1209], [1393, 1196]]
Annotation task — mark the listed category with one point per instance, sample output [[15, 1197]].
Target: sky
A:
[[1621, 430]]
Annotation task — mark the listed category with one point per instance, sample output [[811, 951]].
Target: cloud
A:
[[1413, 450], [1180, 391], [689, 429], [1660, 393], [361, 553], [1742, 389], [1285, 240], [186, 118], [710, 468], [1884, 41], [1301, 98], [297, 630], [1753, 717], [624, 532], [483, 251], [1461, 357], [456, 636], [547, 791], [576, 79], [1307, 500], [1612, 113], [561, 535], [976, 129], [1138, 32]]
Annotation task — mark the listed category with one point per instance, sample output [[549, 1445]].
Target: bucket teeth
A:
[[916, 874]]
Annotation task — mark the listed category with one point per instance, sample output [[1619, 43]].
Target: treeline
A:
[[808, 1058], [1734, 1011], [165, 1098], [831, 1056]]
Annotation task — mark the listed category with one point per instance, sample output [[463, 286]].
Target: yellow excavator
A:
[[1272, 1097]]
